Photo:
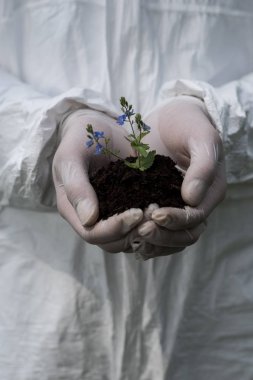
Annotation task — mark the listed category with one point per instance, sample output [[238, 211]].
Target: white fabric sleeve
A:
[[28, 138], [231, 110]]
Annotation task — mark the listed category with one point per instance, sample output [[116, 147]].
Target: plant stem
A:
[[125, 110], [129, 120], [111, 153]]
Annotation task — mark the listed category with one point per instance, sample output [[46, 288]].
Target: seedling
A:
[[144, 155]]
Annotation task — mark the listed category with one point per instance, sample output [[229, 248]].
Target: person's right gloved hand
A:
[[76, 198]]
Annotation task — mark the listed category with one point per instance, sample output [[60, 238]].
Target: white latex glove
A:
[[76, 198], [182, 130]]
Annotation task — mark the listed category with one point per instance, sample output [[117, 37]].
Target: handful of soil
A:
[[119, 187]]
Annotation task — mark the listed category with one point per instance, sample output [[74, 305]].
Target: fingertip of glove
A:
[[194, 192], [132, 217], [158, 215], [150, 209], [87, 212]]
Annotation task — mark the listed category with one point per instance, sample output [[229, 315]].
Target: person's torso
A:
[[125, 47]]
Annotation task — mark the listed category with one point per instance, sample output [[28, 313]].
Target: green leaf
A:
[[128, 139], [147, 162], [138, 118], [140, 147], [143, 152], [134, 165], [135, 144], [143, 134], [89, 128], [122, 101]]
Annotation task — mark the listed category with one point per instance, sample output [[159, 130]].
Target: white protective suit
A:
[[69, 311]]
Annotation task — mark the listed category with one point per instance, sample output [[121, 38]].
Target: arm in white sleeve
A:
[[231, 109], [28, 138]]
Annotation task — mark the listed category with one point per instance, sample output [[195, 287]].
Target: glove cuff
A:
[[200, 90]]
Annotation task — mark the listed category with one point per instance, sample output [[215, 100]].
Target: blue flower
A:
[[89, 143], [99, 135], [121, 119], [99, 149], [145, 127]]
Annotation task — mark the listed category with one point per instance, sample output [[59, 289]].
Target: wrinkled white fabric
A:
[[230, 107], [69, 310], [32, 138]]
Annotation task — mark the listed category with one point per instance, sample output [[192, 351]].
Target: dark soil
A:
[[120, 188]]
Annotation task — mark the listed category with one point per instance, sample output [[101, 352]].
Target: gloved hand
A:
[[76, 199], [182, 129]]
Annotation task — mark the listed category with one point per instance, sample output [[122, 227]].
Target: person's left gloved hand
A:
[[181, 129]]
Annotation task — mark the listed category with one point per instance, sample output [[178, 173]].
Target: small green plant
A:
[[145, 156]]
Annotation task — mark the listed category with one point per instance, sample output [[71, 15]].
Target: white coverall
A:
[[69, 311]]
